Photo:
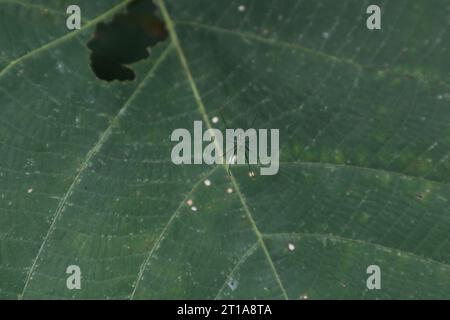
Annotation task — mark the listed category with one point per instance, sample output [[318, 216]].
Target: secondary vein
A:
[[85, 164], [62, 39]]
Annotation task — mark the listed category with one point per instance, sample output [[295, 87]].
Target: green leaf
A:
[[86, 177]]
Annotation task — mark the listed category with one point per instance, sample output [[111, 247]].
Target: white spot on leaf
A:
[[233, 284]]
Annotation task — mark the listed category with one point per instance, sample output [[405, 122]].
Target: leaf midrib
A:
[[202, 111], [191, 81]]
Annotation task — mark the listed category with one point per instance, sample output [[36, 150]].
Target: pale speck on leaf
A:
[[233, 284]]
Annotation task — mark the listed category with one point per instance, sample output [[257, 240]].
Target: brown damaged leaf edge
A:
[[125, 40]]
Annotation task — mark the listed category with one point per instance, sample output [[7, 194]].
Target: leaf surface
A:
[[86, 177]]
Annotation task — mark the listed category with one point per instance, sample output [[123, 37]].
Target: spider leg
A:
[[247, 158], [250, 167], [224, 121], [225, 153], [229, 162], [253, 122]]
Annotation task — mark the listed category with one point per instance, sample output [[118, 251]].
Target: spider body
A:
[[232, 156]]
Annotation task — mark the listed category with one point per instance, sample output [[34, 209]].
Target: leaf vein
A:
[[202, 110], [313, 52], [358, 242], [85, 164]]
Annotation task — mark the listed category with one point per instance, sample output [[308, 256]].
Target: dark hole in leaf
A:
[[125, 40]]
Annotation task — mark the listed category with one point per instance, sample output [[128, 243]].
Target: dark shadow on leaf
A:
[[127, 39]]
